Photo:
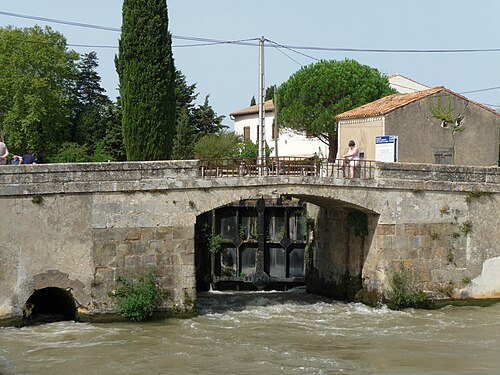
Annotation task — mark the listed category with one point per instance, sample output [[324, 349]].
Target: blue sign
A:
[[384, 139], [386, 148]]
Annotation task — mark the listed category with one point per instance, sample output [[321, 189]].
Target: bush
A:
[[403, 294], [71, 153], [138, 296]]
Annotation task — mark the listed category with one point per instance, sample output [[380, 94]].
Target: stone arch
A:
[[49, 305], [337, 264], [52, 296]]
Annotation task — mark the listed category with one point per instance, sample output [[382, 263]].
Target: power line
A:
[[311, 48], [480, 90], [291, 58], [297, 52], [52, 20]]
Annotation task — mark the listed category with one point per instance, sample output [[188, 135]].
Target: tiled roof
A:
[[392, 102], [268, 107]]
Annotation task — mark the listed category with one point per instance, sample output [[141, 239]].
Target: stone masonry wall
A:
[[78, 226]]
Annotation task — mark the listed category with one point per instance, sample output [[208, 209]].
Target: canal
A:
[[265, 333]]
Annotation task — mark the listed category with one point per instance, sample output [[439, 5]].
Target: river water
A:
[[266, 333]]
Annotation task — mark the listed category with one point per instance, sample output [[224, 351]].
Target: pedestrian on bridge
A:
[[4, 152], [351, 158]]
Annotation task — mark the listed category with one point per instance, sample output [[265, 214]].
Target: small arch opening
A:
[[49, 305]]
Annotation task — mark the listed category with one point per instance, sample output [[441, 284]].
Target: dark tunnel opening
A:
[[49, 305]]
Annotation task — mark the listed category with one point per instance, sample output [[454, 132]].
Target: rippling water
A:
[[266, 333]]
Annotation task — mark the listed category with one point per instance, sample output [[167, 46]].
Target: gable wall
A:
[[419, 133]]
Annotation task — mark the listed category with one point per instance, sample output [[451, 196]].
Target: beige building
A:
[[432, 126]]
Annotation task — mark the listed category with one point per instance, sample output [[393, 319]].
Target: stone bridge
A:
[[73, 228]]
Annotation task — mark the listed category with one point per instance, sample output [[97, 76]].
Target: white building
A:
[[246, 123], [288, 143], [405, 85]]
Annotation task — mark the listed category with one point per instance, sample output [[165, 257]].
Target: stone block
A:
[[398, 243], [147, 234], [386, 229], [138, 247], [133, 234], [104, 254], [183, 233], [164, 233], [411, 229]]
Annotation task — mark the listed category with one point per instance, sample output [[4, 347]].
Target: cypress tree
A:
[[147, 80]]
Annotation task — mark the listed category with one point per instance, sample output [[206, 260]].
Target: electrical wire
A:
[[289, 57], [312, 48], [250, 42], [480, 90], [290, 49]]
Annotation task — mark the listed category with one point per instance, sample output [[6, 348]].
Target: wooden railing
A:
[[286, 166]]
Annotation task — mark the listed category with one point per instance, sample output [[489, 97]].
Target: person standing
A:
[[352, 158], [4, 152]]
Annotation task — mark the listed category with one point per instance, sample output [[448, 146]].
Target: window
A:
[[246, 133], [443, 155]]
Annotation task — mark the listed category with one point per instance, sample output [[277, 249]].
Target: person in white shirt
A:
[[351, 158], [4, 152]]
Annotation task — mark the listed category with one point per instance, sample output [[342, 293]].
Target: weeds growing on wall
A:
[[214, 243], [403, 293], [475, 194], [138, 295], [358, 221]]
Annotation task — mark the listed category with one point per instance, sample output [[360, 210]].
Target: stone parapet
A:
[[91, 177]]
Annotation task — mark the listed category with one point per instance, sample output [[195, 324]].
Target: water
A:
[[265, 333]]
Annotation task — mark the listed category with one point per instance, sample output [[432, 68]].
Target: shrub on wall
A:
[[403, 293], [137, 296]]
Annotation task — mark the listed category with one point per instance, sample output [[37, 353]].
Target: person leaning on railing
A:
[[351, 158]]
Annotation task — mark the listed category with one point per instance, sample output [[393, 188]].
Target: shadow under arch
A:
[[49, 305], [344, 233], [335, 251]]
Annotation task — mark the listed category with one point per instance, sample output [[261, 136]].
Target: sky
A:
[[229, 73]]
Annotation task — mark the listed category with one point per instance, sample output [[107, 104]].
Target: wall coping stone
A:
[[155, 176]]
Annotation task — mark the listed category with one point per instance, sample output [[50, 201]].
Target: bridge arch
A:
[[52, 296], [49, 304], [336, 253]]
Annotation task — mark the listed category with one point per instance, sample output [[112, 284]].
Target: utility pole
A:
[[261, 162], [276, 129]]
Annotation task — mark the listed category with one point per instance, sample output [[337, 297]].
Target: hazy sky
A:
[[229, 73]]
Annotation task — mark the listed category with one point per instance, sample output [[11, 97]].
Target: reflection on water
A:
[[268, 333]]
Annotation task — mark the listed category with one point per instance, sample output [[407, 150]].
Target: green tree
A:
[[253, 101], [314, 95], [206, 120], [270, 92], [90, 103], [185, 94], [112, 143], [36, 71], [147, 80], [218, 145], [184, 137]]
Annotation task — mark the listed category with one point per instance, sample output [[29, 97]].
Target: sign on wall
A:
[[386, 148]]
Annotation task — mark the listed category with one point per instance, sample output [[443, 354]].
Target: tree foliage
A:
[[147, 80], [218, 145], [206, 120], [184, 137], [311, 98], [90, 103], [36, 71]]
